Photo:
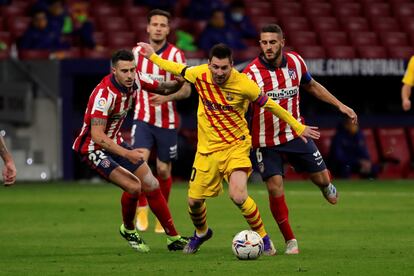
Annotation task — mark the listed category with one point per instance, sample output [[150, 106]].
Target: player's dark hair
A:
[[272, 28], [158, 12], [122, 55], [221, 51]]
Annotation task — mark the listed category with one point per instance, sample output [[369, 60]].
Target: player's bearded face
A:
[[158, 28], [271, 45], [220, 69], [124, 72]]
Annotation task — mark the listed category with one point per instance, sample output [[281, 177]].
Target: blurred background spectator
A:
[[217, 31], [349, 153], [202, 9], [41, 35], [239, 21]]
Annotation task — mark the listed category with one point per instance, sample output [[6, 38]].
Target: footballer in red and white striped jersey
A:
[[282, 85], [111, 101], [164, 115]]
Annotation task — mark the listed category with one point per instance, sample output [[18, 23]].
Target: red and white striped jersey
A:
[[111, 101], [282, 85], [165, 115]]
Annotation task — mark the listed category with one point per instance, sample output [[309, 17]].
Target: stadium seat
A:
[[333, 39], [324, 142], [348, 9], [391, 39], [291, 25], [407, 24], [322, 9], [410, 133], [404, 9], [113, 24], [364, 39], [355, 24], [135, 11], [394, 152], [372, 52], [105, 11], [18, 25], [403, 52], [13, 11], [302, 38], [122, 40], [34, 54], [100, 38], [246, 55], [256, 9], [262, 21], [6, 38], [385, 24], [311, 52], [378, 9], [341, 52], [288, 9], [325, 24]]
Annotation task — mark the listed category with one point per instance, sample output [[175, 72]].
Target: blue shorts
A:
[[146, 136], [105, 162], [304, 157]]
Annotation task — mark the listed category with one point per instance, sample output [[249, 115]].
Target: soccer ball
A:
[[247, 245]]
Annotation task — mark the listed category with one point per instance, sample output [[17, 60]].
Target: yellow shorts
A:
[[209, 170]]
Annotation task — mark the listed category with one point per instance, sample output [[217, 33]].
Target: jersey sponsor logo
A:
[[158, 78], [283, 93], [101, 104], [216, 106], [292, 74]]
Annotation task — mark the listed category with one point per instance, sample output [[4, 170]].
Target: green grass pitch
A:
[[72, 229]]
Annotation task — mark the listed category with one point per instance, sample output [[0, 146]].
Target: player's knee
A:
[[133, 189], [239, 198], [194, 203], [163, 170], [150, 183]]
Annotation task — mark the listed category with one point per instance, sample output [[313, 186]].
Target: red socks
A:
[[129, 204], [280, 213], [159, 207], [165, 185]]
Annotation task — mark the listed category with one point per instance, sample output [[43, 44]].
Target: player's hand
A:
[[146, 49], [350, 113], [310, 132], [9, 173], [135, 155], [406, 104], [156, 100]]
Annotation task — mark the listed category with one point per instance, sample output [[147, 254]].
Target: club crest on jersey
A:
[[292, 73], [105, 163], [229, 97]]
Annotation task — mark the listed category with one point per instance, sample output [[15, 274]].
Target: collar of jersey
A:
[[270, 66], [122, 88], [162, 49]]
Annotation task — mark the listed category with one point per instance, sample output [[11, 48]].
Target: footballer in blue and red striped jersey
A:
[[111, 101], [101, 147], [279, 75], [164, 115], [155, 118]]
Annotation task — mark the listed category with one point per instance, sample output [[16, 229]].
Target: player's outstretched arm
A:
[[170, 66], [320, 92], [302, 130], [9, 170], [98, 126], [183, 93]]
